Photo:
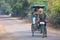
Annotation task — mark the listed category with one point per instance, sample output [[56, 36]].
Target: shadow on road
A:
[[20, 34]]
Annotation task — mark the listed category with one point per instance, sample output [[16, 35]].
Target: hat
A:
[[41, 9]]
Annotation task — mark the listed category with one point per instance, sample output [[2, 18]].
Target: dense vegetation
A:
[[21, 8], [54, 12]]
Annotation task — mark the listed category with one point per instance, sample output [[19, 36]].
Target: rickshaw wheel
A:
[[44, 31], [32, 30]]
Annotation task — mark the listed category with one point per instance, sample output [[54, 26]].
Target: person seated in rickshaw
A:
[[35, 18], [41, 17]]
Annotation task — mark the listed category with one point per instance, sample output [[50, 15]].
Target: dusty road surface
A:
[[12, 29]]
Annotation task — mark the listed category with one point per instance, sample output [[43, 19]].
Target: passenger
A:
[[34, 14]]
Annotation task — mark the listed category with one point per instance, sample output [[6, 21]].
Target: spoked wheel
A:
[[44, 31], [33, 33]]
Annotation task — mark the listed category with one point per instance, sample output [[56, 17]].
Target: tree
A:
[[54, 8]]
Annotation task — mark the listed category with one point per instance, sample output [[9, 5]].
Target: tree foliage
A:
[[21, 8], [54, 14]]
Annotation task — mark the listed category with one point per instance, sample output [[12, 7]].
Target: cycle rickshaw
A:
[[34, 27]]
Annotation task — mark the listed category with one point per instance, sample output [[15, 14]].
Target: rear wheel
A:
[[32, 29], [32, 33]]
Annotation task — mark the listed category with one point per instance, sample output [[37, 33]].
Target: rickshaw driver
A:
[[41, 16]]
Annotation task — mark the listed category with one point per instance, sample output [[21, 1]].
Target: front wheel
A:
[[44, 31]]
